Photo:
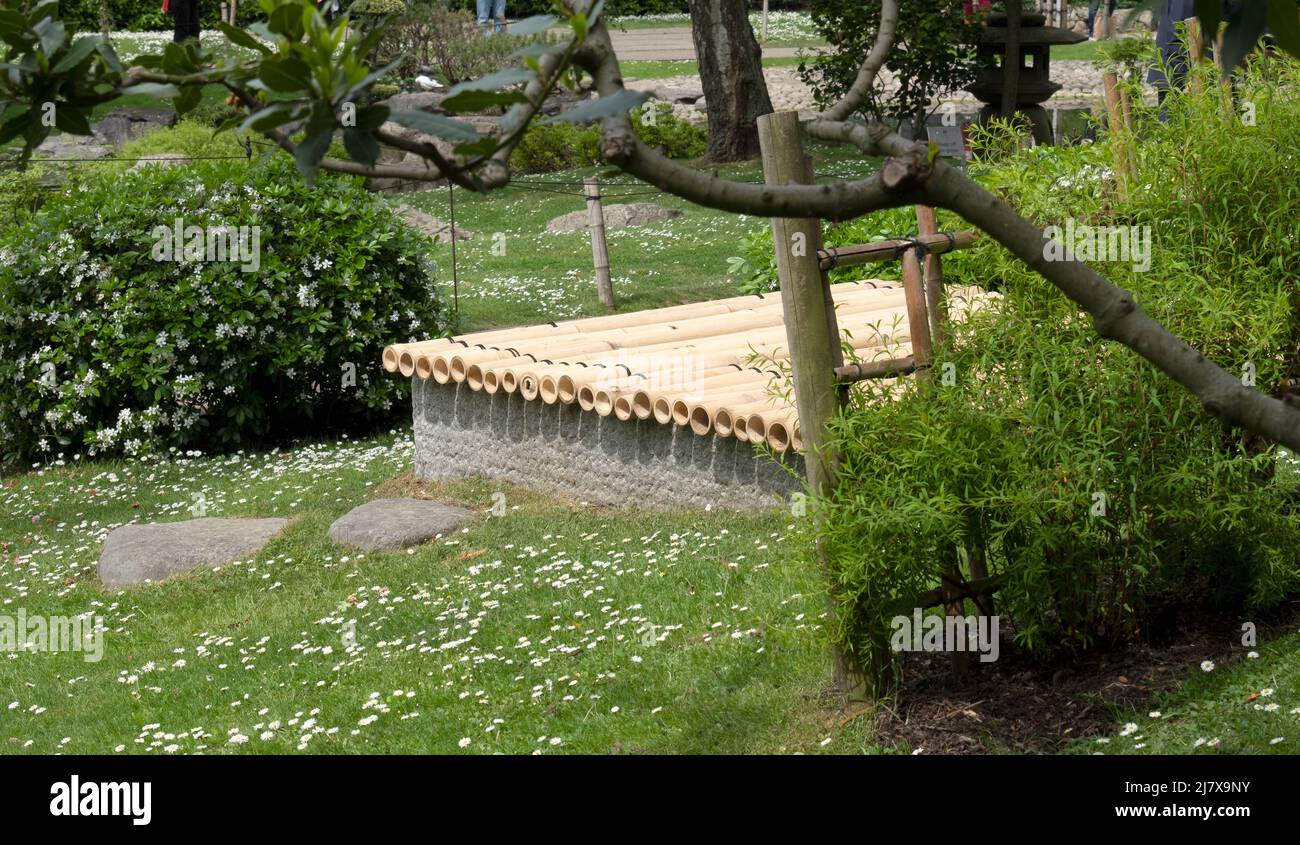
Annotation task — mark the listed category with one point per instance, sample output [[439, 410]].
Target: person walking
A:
[[185, 18], [1095, 6], [492, 10]]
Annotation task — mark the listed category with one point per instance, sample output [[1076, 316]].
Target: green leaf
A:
[[285, 75], [533, 25], [109, 57], [361, 145], [603, 107], [1284, 21], [309, 153], [468, 102], [435, 124], [77, 53], [481, 147], [1244, 30], [242, 38], [1210, 14], [268, 118], [494, 81], [71, 119], [187, 99], [14, 125]]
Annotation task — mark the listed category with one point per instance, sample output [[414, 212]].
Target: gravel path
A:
[[1081, 79]]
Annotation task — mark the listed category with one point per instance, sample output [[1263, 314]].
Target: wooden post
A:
[[926, 225], [764, 22], [1125, 166], [918, 322], [234, 11], [599, 251], [814, 338]]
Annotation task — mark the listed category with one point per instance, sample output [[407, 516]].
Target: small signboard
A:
[[951, 141]]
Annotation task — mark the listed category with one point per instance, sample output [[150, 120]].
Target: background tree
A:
[[934, 54], [731, 70]]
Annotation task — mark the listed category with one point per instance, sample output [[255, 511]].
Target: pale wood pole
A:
[[814, 339], [927, 225], [764, 21], [599, 250]]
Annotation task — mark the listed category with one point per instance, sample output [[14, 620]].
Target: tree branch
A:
[[1115, 313]]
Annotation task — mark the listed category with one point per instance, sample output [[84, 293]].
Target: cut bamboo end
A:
[[642, 407], [680, 412], [567, 389], [662, 410], [406, 363], [700, 419], [586, 398], [529, 386], [603, 403], [549, 389], [439, 366], [779, 436], [390, 356], [424, 367], [623, 407]]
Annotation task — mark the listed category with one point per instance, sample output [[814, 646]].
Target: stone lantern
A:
[[1035, 85]]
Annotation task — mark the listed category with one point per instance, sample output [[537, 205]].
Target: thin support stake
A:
[[455, 269]]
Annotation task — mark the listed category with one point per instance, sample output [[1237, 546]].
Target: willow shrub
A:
[[1097, 489], [109, 346]]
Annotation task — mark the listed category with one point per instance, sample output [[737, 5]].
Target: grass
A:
[[1085, 51], [1249, 707], [530, 631], [513, 272], [666, 68]]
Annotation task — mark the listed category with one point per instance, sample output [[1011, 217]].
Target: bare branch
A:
[[871, 66]]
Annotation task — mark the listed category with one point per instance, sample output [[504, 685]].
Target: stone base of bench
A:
[[582, 456]]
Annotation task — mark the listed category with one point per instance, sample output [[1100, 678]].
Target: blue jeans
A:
[[1093, 7], [493, 10]]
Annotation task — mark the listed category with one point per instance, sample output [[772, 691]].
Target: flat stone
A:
[[433, 227], [426, 101], [134, 554], [685, 94], [123, 125], [387, 524], [616, 217]]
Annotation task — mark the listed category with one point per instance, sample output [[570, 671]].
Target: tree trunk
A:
[[731, 70]]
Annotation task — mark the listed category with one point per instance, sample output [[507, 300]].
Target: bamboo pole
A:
[[917, 319], [937, 243], [926, 224], [599, 249]]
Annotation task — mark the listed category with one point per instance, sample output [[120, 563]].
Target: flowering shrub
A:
[[119, 337]]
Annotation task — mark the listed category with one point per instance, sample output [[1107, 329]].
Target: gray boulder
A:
[[137, 553], [616, 217], [388, 524], [161, 160], [123, 125]]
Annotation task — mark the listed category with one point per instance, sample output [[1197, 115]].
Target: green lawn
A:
[[514, 272], [553, 628], [664, 69]]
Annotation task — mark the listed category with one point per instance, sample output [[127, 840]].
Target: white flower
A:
[[464, 742], [1207, 665], [1129, 729]]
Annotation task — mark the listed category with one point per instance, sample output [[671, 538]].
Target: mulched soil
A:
[[1015, 705]]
